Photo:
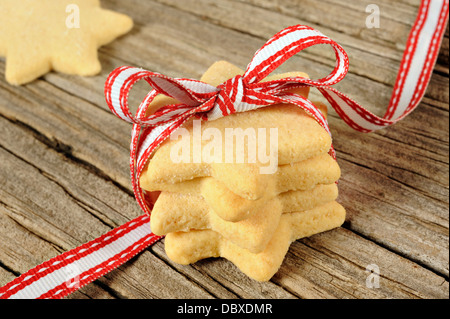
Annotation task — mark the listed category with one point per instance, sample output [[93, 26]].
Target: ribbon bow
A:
[[239, 94]]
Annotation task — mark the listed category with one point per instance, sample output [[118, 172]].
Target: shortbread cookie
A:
[[229, 206], [300, 138], [177, 212], [37, 36], [189, 247]]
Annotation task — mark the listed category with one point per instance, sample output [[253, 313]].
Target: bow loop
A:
[[287, 43]]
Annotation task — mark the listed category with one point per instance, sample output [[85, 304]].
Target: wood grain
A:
[[64, 156]]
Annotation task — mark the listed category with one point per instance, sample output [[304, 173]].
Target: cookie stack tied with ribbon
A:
[[246, 208], [197, 222]]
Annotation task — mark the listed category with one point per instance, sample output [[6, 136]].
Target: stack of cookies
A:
[[245, 211]]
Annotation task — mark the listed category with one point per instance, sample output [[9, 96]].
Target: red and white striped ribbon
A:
[[64, 274]]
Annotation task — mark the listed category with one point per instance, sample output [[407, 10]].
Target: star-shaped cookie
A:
[[37, 36], [189, 247], [181, 213]]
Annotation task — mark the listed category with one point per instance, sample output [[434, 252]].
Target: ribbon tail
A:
[[62, 275], [413, 78]]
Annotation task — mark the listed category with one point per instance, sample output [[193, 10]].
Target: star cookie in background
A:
[[61, 35]]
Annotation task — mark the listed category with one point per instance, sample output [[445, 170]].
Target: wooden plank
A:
[[334, 263], [70, 124], [59, 135], [51, 232]]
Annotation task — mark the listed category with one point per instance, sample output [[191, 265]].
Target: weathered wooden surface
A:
[[64, 176]]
